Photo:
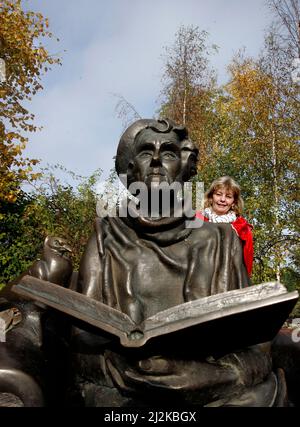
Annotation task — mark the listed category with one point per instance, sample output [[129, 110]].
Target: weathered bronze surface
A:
[[140, 264]]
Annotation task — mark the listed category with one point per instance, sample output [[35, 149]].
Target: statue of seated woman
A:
[[141, 262]]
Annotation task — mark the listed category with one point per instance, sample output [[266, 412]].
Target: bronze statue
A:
[[143, 262], [141, 265], [55, 265]]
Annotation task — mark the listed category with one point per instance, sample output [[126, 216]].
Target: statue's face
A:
[[157, 158]]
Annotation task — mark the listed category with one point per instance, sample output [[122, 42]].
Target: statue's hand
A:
[[179, 375], [209, 379]]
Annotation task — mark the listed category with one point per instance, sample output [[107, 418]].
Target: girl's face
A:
[[222, 201]]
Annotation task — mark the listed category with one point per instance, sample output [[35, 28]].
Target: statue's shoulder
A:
[[103, 227]]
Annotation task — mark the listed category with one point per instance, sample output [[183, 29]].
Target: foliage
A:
[[21, 237], [63, 206], [25, 60]]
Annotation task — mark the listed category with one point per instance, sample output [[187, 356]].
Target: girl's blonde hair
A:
[[229, 184]]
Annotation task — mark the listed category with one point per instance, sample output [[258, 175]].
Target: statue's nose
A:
[[156, 161]]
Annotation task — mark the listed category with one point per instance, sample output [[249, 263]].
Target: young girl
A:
[[223, 203]]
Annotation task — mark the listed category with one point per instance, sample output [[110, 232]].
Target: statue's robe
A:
[[140, 267], [141, 272]]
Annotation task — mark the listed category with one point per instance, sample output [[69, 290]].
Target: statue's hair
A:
[[229, 184], [125, 152], [166, 126]]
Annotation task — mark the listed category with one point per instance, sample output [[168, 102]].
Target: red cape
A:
[[244, 230]]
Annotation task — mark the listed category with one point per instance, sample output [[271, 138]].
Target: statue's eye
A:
[[169, 155], [56, 242], [145, 154]]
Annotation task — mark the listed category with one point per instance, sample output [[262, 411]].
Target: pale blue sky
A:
[[114, 46]]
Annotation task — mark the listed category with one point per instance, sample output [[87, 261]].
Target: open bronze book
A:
[[240, 317]]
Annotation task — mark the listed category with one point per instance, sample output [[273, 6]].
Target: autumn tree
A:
[[280, 60], [189, 84], [259, 142], [186, 71], [25, 59], [248, 129]]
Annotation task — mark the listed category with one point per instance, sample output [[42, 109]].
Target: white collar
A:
[[213, 217]]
